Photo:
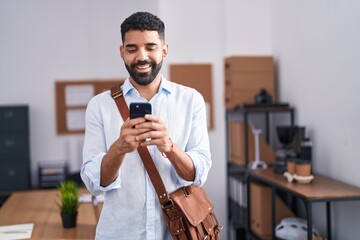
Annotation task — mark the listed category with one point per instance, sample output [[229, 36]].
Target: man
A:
[[175, 134]]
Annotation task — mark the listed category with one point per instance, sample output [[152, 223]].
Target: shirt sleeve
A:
[[198, 146], [94, 150]]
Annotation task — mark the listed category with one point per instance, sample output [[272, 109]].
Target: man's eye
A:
[[131, 50], [152, 48]]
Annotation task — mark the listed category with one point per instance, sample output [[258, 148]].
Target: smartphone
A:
[[139, 109]]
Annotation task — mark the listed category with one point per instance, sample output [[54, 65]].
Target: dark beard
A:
[[144, 79]]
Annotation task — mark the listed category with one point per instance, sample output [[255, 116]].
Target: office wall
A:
[[248, 27], [44, 41], [317, 46]]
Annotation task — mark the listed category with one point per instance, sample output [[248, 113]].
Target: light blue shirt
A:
[[131, 208]]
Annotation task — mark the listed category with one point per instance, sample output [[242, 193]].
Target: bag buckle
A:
[[168, 204], [117, 94], [218, 229], [186, 191]]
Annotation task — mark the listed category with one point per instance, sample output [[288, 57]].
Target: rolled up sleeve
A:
[[94, 150], [198, 146]]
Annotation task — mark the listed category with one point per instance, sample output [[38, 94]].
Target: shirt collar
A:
[[165, 85], [127, 86]]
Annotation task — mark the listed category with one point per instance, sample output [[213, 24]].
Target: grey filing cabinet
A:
[[14, 148]]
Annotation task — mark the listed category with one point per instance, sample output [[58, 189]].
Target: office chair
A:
[[75, 176], [3, 199]]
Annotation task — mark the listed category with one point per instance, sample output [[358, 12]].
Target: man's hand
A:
[[126, 143], [128, 140], [153, 132]]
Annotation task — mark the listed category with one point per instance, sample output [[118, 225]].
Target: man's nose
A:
[[142, 55]]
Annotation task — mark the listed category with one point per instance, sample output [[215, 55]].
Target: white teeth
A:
[[143, 66]]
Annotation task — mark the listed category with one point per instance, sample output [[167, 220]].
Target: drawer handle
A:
[[9, 142], [9, 114], [12, 173]]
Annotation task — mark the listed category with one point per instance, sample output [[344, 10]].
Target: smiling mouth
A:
[[142, 68]]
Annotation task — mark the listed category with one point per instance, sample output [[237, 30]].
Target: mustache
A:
[[141, 63]]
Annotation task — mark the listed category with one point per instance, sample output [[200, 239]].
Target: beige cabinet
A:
[[245, 76]]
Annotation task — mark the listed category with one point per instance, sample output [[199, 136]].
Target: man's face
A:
[[143, 53]]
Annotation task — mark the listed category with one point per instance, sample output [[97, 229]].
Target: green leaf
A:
[[69, 194]]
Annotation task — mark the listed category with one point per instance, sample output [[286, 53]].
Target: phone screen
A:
[[139, 109]]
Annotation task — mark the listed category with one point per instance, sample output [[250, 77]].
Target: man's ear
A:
[[121, 51], [165, 50]]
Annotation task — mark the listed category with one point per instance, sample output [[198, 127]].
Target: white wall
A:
[[317, 46], [248, 27], [44, 41]]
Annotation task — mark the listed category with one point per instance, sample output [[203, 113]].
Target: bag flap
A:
[[194, 202]]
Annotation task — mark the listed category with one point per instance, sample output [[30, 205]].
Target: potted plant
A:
[[68, 203]]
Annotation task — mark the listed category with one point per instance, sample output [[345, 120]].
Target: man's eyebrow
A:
[[151, 44], [130, 45]]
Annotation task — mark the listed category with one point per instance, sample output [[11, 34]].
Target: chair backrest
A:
[[76, 178]]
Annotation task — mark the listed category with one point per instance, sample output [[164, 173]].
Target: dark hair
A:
[[143, 21]]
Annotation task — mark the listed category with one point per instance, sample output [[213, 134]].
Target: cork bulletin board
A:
[[71, 99], [198, 76]]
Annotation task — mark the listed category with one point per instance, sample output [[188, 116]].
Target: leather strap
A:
[[117, 95]]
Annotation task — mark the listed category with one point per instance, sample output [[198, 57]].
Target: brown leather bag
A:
[[188, 212], [190, 215]]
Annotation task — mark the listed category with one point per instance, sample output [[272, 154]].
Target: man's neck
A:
[[150, 90]]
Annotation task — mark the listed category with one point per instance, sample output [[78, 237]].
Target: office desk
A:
[[39, 207], [321, 189]]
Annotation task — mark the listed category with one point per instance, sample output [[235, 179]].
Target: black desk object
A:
[[14, 148]]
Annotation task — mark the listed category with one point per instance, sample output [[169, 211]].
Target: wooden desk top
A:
[[321, 188], [39, 207]]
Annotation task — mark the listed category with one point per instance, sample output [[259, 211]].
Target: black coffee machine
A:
[[290, 138]]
